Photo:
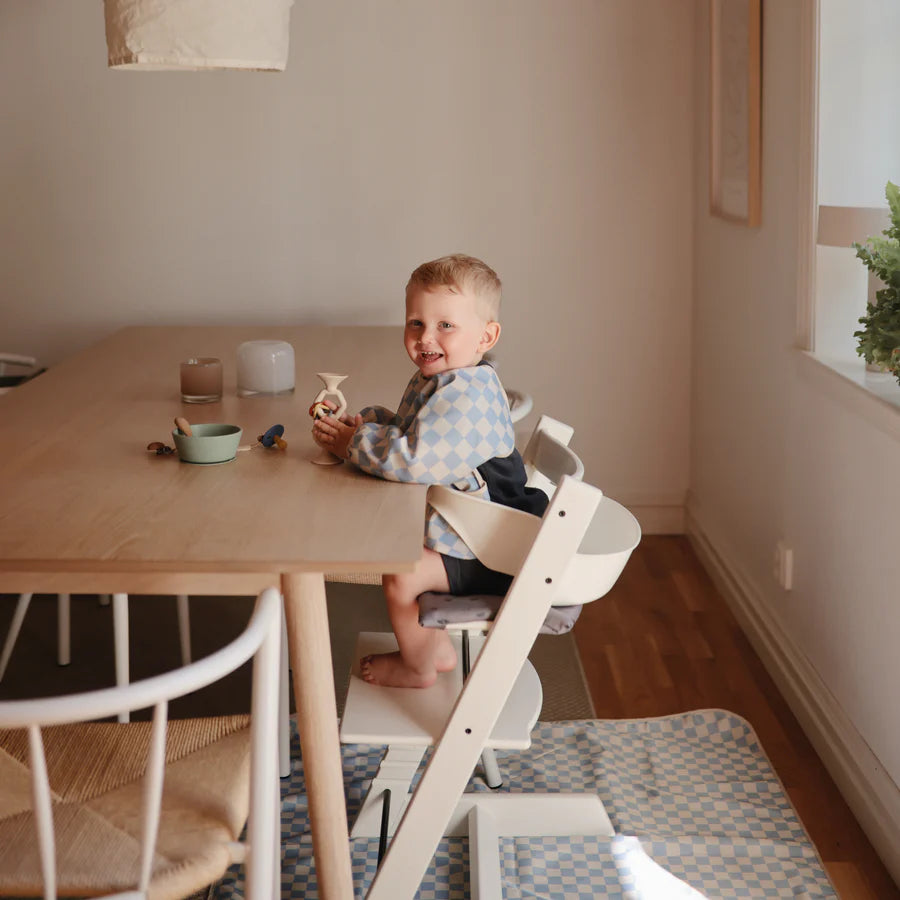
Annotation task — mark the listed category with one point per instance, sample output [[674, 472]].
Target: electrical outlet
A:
[[784, 565]]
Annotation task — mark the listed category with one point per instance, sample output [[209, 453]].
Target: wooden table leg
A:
[[310, 650]]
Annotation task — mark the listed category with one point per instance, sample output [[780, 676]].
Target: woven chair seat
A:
[[354, 577], [95, 771]]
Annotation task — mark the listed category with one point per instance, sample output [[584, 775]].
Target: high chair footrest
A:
[[512, 815], [387, 715]]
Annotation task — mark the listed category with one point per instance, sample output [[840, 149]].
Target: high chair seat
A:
[[452, 612]]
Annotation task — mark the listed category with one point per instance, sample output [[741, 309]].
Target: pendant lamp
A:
[[198, 34]]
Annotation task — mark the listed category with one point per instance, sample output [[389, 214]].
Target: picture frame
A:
[[735, 95]]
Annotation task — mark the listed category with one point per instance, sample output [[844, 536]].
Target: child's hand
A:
[[335, 435], [328, 404]]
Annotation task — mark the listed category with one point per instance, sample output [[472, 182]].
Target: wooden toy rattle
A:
[[319, 410]]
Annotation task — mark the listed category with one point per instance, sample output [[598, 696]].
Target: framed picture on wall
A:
[[735, 57]]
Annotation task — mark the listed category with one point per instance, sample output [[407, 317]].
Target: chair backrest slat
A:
[[263, 825], [153, 788], [43, 810]]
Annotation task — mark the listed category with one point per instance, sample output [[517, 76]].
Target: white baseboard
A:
[[659, 519], [869, 791], [657, 513]]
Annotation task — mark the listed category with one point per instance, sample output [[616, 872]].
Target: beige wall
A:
[[783, 449], [552, 139]]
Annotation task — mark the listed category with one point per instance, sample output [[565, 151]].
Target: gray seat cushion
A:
[[447, 610]]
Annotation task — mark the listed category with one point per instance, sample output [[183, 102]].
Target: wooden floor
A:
[[663, 641]]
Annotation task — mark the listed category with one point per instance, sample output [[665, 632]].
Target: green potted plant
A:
[[879, 339]]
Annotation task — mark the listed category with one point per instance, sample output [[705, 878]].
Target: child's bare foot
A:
[[389, 670]]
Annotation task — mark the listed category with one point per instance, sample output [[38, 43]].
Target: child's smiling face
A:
[[445, 329]]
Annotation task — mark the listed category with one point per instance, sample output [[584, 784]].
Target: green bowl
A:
[[209, 444]]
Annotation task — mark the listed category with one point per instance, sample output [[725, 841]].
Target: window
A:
[[858, 151]]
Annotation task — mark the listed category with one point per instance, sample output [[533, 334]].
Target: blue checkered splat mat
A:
[[691, 796]]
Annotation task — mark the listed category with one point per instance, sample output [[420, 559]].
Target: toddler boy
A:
[[452, 427]]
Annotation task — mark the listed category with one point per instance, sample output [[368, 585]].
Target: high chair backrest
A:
[[260, 640], [547, 456]]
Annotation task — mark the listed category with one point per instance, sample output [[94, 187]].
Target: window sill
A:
[[874, 397]]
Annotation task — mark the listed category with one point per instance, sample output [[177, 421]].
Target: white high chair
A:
[[83, 810], [571, 556]]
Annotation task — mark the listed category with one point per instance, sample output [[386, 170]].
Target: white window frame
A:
[[878, 399]]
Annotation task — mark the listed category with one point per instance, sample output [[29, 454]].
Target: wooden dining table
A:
[[87, 509]]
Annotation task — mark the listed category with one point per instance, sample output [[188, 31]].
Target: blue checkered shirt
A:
[[447, 425]]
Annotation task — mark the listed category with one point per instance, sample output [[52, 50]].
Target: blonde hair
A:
[[462, 273]]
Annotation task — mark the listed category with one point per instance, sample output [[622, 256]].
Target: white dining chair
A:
[[145, 809], [120, 631], [572, 556]]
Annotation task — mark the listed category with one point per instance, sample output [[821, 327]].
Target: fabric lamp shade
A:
[[198, 34]]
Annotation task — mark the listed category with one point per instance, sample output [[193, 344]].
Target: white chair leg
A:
[[276, 844], [13, 633], [63, 629], [184, 628], [120, 642], [284, 706], [492, 776]]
